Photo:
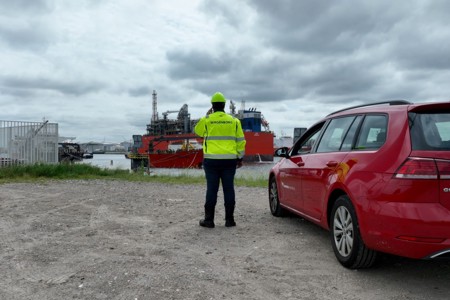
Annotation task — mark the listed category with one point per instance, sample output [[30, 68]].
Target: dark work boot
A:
[[208, 221], [229, 218]]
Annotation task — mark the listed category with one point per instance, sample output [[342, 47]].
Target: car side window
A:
[[373, 132], [334, 134], [306, 143], [350, 136]]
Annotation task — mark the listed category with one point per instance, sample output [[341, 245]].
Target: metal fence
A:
[[28, 142]]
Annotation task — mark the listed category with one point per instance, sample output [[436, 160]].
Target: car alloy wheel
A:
[[348, 246], [343, 231], [274, 201]]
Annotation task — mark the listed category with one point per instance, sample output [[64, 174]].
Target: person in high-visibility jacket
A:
[[223, 150]]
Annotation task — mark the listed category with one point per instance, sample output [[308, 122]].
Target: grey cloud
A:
[[223, 12], [285, 75], [33, 35], [346, 51], [342, 78], [21, 94], [196, 64], [138, 119], [76, 88], [432, 57], [23, 25], [323, 27], [9, 7], [415, 36], [278, 77], [422, 49], [288, 14], [139, 91]]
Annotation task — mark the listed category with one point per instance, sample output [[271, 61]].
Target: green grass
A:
[[42, 172]]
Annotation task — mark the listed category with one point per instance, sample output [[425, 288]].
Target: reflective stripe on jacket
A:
[[222, 135]]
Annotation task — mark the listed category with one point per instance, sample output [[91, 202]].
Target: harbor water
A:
[[256, 170]]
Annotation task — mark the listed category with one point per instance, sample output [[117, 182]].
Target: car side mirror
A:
[[281, 152]]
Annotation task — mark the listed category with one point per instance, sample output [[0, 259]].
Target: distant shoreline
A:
[[110, 152]]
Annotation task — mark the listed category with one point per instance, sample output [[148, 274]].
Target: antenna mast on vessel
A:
[[154, 107], [243, 105]]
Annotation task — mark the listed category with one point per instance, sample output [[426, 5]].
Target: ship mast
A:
[[154, 107]]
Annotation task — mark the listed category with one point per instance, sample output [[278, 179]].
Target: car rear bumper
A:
[[415, 230]]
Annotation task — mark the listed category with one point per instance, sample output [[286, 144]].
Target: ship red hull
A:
[[259, 146], [162, 143], [181, 159]]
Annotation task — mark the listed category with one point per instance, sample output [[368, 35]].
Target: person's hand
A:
[[239, 164], [210, 111]]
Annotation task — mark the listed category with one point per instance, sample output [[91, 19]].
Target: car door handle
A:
[[332, 164], [300, 163]]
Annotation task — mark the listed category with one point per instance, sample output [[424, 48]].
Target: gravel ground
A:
[[123, 240]]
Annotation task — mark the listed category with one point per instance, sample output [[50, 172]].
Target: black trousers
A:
[[216, 171]]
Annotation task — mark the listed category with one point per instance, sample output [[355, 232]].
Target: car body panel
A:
[[289, 183], [319, 174]]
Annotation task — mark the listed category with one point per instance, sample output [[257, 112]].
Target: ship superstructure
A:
[[164, 133]]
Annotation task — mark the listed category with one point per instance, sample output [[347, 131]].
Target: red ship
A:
[[177, 151], [171, 143], [181, 159]]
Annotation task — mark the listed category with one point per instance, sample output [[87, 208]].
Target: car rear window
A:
[[430, 130], [373, 132]]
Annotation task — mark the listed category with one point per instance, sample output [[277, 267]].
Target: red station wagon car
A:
[[376, 176]]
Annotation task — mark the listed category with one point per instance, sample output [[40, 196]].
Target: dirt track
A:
[[122, 240]]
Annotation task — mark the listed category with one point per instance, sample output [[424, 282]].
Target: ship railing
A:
[[137, 156]]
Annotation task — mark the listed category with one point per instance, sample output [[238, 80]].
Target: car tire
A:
[[348, 246], [274, 200]]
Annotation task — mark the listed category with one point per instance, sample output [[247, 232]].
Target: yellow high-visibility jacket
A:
[[222, 135]]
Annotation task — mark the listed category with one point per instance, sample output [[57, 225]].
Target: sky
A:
[[91, 65]]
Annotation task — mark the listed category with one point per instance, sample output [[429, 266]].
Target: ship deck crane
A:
[[264, 123], [168, 112]]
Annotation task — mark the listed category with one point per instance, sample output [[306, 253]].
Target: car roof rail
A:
[[390, 102]]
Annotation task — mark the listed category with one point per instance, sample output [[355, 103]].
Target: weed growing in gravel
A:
[[55, 171], [36, 172]]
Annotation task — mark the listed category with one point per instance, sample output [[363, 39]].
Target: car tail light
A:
[[417, 168], [424, 168], [444, 168]]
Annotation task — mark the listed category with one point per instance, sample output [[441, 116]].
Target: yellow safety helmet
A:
[[218, 97]]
